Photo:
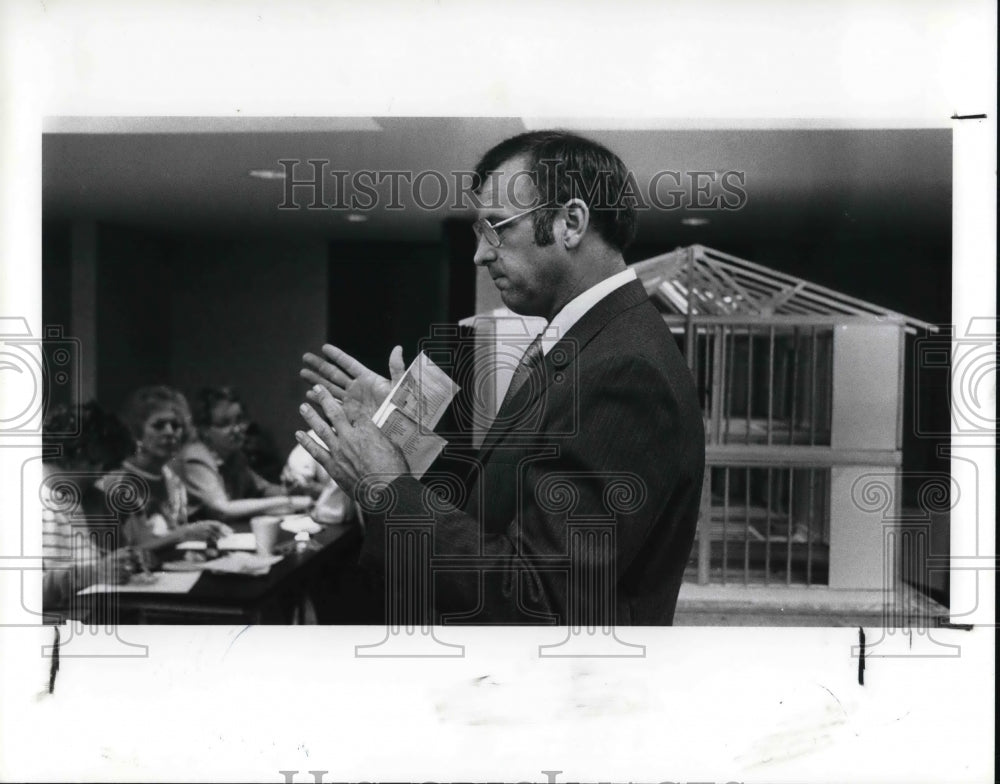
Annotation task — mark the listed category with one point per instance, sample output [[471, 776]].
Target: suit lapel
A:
[[562, 355]]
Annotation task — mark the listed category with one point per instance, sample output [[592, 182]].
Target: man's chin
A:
[[516, 306]]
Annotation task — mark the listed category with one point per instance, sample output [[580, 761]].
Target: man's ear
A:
[[577, 221]]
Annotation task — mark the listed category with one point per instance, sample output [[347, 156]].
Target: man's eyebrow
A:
[[493, 217]]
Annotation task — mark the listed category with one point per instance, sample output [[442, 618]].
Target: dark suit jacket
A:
[[582, 503]]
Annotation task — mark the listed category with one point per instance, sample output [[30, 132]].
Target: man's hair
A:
[[565, 166], [99, 436], [208, 398], [143, 402]]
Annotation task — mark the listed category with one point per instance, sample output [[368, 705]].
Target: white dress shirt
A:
[[577, 307]]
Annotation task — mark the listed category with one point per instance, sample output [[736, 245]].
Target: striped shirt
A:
[[72, 554]]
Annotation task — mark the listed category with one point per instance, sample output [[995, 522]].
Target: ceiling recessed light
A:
[[355, 218], [695, 221], [267, 174]]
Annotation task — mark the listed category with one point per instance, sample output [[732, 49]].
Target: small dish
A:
[[300, 524]]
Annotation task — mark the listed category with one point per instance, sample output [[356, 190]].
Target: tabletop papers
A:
[[165, 582], [233, 563], [245, 541]]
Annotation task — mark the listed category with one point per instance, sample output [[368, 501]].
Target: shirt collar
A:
[[577, 307]]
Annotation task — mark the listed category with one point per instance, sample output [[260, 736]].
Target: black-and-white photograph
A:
[[465, 393], [793, 284]]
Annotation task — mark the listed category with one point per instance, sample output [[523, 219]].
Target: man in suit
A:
[[581, 505]]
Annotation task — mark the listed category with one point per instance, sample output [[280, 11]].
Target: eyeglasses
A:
[[488, 231], [225, 425], [161, 424]]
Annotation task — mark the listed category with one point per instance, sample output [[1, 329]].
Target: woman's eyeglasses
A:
[[231, 423], [162, 424]]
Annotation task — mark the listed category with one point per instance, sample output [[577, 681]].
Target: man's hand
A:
[[354, 447], [345, 378]]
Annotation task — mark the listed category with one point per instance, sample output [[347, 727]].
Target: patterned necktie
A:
[[531, 359]]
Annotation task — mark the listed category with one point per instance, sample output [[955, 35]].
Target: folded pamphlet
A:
[[413, 408]]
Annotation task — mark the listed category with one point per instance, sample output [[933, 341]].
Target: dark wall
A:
[[462, 271], [192, 311], [56, 247], [384, 294], [134, 282], [243, 312], [57, 308]]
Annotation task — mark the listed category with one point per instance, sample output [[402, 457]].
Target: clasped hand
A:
[[345, 396], [205, 529]]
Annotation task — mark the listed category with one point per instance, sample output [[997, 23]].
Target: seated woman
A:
[[219, 480], [73, 555], [157, 418]]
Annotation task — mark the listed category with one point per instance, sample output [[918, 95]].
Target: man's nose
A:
[[484, 252]]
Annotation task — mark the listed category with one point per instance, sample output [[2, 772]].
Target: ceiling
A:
[[179, 175]]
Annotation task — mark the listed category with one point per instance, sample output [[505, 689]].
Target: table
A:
[[277, 597]]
